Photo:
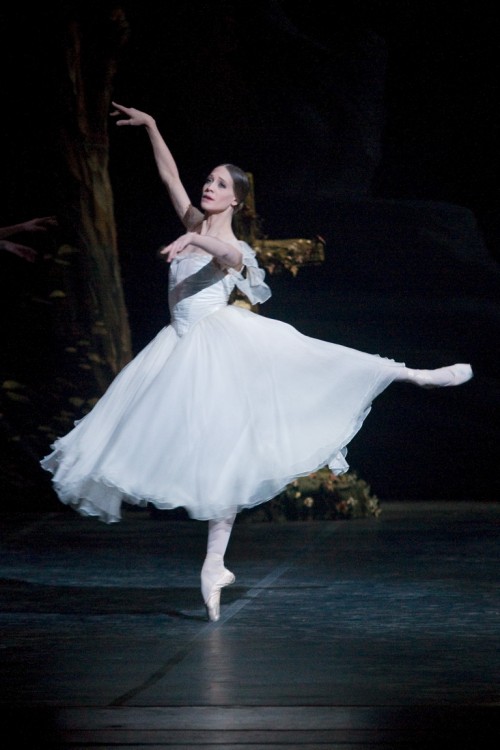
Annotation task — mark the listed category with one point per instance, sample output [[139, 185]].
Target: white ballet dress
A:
[[221, 410]]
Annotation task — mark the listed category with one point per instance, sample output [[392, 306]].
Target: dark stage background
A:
[[373, 124]]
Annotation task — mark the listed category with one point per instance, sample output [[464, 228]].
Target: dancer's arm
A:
[[41, 224], [167, 168], [23, 251], [226, 253], [31, 226]]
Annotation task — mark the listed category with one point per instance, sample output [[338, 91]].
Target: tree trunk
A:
[[59, 60], [91, 319]]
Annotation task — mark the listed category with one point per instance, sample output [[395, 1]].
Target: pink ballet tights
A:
[[214, 576]]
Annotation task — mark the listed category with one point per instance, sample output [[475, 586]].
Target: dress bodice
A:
[[198, 286]]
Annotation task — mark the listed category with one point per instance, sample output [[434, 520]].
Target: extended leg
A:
[[214, 576], [438, 378]]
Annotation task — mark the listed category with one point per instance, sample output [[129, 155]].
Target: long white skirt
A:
[[220, 419]]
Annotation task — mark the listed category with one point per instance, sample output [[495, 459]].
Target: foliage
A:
[[290, 255], [30, 420], [319, 496]]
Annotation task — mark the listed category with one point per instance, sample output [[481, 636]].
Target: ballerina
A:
[[224, 407]]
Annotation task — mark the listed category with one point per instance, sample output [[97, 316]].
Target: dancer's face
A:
[[218, 191]]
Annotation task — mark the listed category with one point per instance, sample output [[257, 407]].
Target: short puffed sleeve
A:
[[250, 280]]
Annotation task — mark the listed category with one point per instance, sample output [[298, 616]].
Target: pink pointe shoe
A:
[[212, 603], [442, 377]]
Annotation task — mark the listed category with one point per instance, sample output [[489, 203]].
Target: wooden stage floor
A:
[[375, 633]]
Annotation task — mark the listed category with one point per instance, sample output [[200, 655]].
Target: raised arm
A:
[[165, 162], [41, 224]]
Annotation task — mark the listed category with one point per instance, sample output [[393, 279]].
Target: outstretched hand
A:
[[171, 251], [41, 224], [31, 226], [131, 115], [23, 251]]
